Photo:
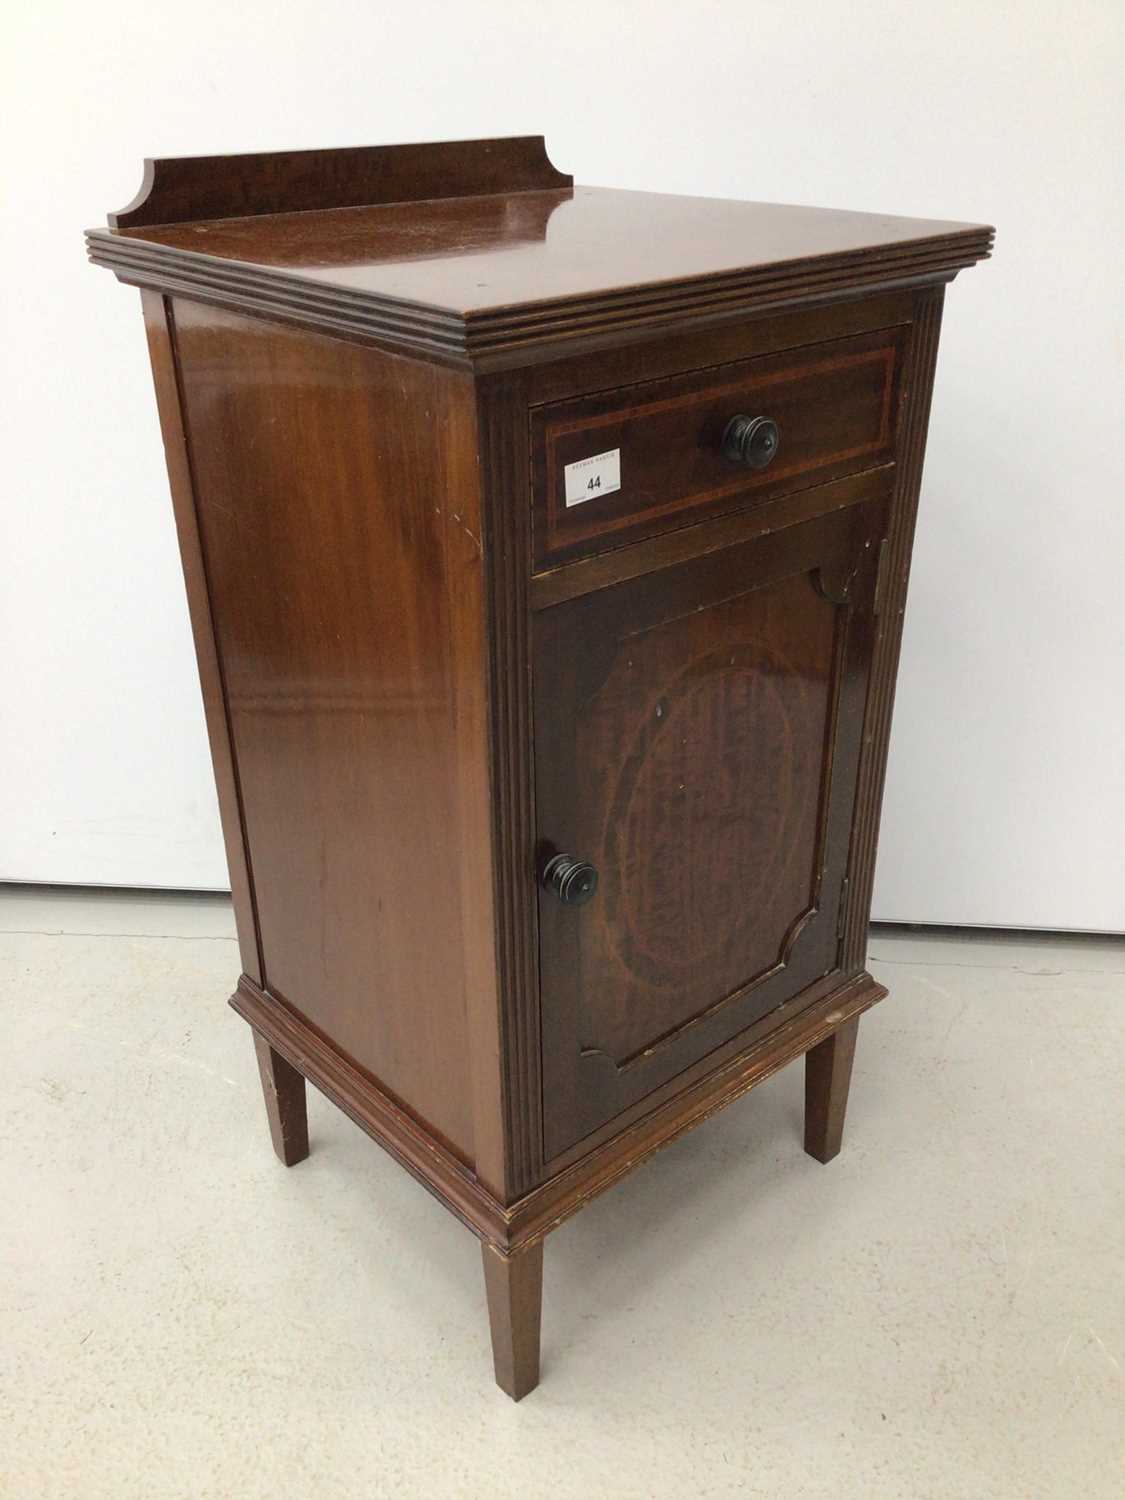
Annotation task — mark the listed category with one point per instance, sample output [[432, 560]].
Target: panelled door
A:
[[697, 736]]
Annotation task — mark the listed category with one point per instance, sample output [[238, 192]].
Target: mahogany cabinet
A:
[[546, 550]]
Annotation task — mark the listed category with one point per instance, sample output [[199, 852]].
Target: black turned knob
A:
[[572, 880], [753, 441]]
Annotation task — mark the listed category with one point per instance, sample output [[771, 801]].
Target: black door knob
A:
[[572, 880], [753, 441]]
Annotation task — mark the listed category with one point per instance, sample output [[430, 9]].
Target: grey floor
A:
[[939, 1313]]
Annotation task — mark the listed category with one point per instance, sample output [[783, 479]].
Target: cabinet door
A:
[[697, 734]]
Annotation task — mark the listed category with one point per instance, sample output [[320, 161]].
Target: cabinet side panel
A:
[[338, 503], [914, 398], [164, 373]]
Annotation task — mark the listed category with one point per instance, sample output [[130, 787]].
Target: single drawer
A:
[[623, 464]]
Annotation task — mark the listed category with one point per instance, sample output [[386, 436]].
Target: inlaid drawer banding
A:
[[832, 406]]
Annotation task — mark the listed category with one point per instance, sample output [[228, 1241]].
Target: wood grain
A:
[[514, 1286], [913, 421], [679, 543], [691, 1100], [183, 188], [834, 404], [707, 344], [354, 1092], [344, 562], [828, 1076], [667, 1114], [431, 276], [697, 735], [166, 378], [422, 676], [502, 425], [283, 1090]]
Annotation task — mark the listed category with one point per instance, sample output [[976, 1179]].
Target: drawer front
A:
[[661, 443]]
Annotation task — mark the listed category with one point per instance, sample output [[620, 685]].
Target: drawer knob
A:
[[753, 441], [573, 881]]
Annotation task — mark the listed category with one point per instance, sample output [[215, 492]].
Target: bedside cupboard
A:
[[546, 549]]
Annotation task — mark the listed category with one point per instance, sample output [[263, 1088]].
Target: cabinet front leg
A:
[[514, 1285], [828, 1072], [284, 1091]]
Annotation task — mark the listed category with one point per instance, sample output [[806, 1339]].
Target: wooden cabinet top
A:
[[480, 252]]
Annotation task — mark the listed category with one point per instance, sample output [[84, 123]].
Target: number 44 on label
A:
[[591, 478]]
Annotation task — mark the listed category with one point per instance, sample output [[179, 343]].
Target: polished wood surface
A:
[[514, 1287], [834, 404], [283, 1089], [575, 1180], [434, 274], [345, 580], [697, 738], [914, 422], [158, 328], [185, 188], [828, 1076], [705, 344], [584, 575], [597, 242], [422, 676]]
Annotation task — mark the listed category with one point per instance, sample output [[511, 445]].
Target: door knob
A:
[[572, 880], [753, 441]]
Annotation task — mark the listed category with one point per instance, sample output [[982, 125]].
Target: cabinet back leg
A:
[[284, 1091], [514, 1286], [828, 1074]]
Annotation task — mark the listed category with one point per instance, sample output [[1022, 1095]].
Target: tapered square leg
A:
[[514, 1285], [828, 1074], [284, 1091]]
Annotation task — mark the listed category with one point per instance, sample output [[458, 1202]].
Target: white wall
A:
[[1006, 799]]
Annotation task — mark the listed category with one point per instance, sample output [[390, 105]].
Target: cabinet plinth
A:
[[548, 610]]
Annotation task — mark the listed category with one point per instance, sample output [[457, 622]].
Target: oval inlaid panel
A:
[[704, 751], [718, 804]]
